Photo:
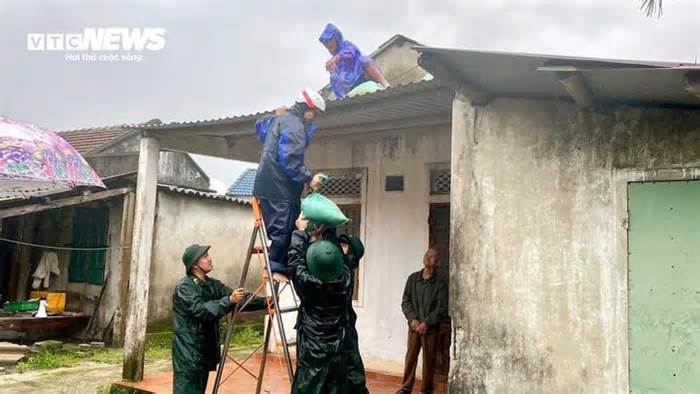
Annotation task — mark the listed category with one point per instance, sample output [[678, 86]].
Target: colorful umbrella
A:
[[36, 161]]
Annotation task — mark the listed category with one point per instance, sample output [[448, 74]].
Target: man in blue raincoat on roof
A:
[[348, 67], [282, 174]]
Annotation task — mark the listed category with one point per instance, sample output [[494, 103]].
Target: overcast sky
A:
[[234, 57], [223, 58]]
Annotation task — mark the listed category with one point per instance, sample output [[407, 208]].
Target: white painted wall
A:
[[395, 226], [182, 220]]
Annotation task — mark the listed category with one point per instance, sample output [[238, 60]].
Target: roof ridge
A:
[[96, 128], [115, 127], [347, 100]]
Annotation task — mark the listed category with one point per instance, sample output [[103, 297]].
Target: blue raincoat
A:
[[350, 68], [281, 175]]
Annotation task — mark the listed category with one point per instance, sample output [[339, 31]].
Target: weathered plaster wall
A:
[[174, 168], [400, 64], [107, 166], [538, 275], [183, 220], [395, 226], [127, 144]]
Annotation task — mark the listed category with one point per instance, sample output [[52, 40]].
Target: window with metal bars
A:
[[344, 186], [440, 181]]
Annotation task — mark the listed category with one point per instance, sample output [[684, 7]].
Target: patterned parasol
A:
[[36, 161]]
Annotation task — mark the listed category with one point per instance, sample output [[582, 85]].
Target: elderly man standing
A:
[[199, 302], [424, 304]]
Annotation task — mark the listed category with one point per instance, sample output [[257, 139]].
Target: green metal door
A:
[[664, 287]]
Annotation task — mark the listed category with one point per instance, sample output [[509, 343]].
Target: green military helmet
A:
[[192, 254], [324, 260]]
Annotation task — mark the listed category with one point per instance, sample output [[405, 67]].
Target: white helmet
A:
[[312, 98]]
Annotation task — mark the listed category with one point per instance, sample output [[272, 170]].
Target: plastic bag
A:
[[365, 88]]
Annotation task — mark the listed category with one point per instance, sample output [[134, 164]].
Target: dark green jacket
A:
[[197, 307], [424, 300], [328, 354]]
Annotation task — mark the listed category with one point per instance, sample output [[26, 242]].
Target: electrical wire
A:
[[33, 245]]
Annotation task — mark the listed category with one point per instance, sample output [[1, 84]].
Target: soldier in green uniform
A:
[[199, 302], [323, 273]]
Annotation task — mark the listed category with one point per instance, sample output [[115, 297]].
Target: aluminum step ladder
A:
[[259, 244]]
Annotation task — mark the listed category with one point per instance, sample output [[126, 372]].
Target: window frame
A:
[[361, 200], [80, 259]]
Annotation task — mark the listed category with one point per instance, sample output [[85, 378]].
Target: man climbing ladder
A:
[[282, 174]]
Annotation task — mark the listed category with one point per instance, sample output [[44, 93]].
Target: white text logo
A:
[[100, 39]]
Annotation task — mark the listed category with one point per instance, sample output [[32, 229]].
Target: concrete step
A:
[[9, 347], [11, 353]]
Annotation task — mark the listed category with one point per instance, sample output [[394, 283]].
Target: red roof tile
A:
[[86, 140]]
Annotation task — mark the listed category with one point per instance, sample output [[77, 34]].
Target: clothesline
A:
[[50, 247]]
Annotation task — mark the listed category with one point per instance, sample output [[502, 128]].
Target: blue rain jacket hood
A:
[[349, 70], [281, 173]]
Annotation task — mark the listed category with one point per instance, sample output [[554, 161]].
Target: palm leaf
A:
[[652, 7]]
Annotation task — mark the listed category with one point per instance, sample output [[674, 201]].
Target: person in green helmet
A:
[[199, 301], [322, 267]]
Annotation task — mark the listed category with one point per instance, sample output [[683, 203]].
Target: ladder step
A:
[[289, 309], [259, 235]]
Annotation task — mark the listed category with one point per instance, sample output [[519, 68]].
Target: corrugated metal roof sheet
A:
[[352, 110], [243, 186], [562, 59], [532, 75], [203, 194]]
